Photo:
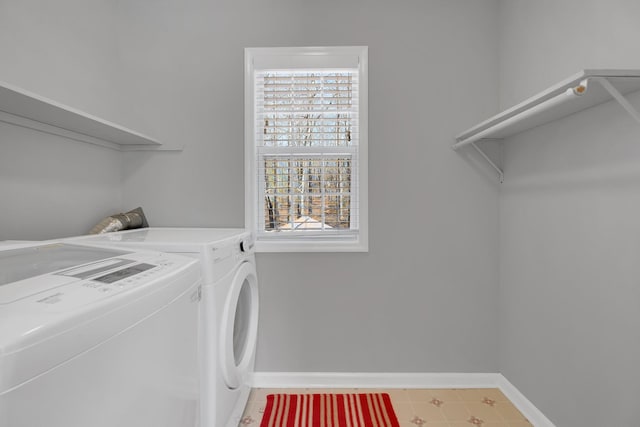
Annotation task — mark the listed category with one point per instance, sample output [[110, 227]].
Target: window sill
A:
[[298, 245]]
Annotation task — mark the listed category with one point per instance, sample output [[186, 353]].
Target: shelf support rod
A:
[[615, 93], [491, 162]]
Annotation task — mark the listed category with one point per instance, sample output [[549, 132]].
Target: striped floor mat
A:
[[329, 410]]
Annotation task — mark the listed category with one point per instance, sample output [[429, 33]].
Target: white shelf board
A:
[[625, 81], [26, 109]]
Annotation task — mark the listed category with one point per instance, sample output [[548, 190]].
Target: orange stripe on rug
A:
[[329, 410]]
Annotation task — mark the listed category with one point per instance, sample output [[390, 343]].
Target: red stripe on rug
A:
[[329, 410]]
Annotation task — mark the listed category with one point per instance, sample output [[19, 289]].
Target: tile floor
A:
[[481, 407]]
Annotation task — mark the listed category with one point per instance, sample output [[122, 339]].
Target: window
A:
[[306, 148]]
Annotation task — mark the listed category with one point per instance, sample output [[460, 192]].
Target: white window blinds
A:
[[307, 152]]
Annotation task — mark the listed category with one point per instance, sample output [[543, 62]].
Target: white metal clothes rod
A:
[[567, 95]]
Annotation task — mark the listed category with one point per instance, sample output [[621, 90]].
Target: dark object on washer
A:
[[123, 221]]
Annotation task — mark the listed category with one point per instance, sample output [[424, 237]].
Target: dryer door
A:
[[239, 326]]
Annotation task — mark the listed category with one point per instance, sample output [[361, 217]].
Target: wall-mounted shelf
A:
[[579, 92], [26, 109]]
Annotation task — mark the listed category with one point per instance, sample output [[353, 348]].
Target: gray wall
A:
[[424, 298], [569, 295], [66, 51]]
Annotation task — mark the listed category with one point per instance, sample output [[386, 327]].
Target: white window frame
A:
[[310, 58]]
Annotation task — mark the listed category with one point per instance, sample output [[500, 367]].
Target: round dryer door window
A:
[[239, 328]]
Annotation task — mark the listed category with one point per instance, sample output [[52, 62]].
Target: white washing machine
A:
[[98, 337], [229, 318]]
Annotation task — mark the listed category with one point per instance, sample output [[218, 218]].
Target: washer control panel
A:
[[124, 273], [89, 283], [108, 278]]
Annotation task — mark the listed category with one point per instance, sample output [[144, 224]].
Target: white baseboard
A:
[[371, 380], [524, 405], [401, 380]]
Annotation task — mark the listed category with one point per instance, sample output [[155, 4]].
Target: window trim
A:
[[314, 55]]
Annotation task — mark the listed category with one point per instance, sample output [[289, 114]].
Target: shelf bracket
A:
[[491, 162], [615, 93]]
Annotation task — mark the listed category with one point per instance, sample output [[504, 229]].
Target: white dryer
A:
[[97, 337], [229, 317]]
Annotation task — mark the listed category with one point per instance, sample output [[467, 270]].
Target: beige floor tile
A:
[[509, 412], [428, 412], [479, 394], [248, 421], [257, 394], [496, 394], [252, 415], [483, 411], [520, 424], [402, 407], [455, 411], [469, 394], [427, 395], [396, 394], [463, 424], [404, 411], [247, 410], [446, 395], [469, 423], [420, 395], [416, 421]]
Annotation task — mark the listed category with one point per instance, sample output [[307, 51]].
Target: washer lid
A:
[[19, 264], [167, 236], [37, 259]]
